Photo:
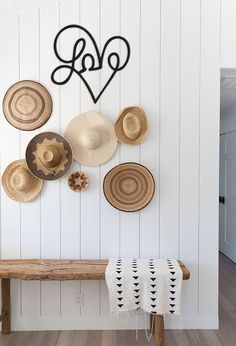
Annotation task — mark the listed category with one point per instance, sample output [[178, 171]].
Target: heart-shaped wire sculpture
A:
[[97, 61]]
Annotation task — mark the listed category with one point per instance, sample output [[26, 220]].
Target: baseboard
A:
[[110, 323], [192, 322]]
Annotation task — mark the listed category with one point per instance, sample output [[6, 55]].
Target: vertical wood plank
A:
[[169, 127], [51, 196], [189, 148], [6, 7], [150, 80], [24, 6], [50, 299], [209, 170], [110, 108], [10, 210], [110, 103], [90, 212], [30, 226], [10, 225], [69, 107], [29, 69], [70, 201], [130, 95], [71, 299]]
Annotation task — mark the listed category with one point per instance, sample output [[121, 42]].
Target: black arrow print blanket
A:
[[153, 285]]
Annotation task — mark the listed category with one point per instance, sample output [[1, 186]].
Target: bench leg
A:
[[159, 330], [6, 307], [151, 330]]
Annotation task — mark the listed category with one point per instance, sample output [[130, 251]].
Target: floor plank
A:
[[65, 338], [225, 336], [80, 338], [109, 338], [36, 339], [50, 338]]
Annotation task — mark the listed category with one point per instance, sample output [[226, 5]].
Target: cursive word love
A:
[[82, 56]]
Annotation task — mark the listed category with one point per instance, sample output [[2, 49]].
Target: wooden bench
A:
[[61, 270]]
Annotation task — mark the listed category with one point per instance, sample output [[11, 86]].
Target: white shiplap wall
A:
[[174, 75]]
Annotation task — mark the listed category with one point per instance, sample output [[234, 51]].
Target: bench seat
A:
[[35, 269]]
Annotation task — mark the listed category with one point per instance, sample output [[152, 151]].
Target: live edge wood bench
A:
[[61, 270]]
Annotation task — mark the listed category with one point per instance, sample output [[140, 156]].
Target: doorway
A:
[[227, 188]]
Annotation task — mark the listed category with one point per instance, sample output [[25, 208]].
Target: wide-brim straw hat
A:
[[92, 138], [27, 105], [18, 182], [49, 156], [131, 126], [129, 187]]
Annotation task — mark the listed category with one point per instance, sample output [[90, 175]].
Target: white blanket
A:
[[152, 285]]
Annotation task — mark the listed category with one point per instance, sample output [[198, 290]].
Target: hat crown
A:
[[131, 126], [50, 156], [20, 179], [91, 139]]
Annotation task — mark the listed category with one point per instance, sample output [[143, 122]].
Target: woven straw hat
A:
[[48, 156], [19, 184], [27, 105], [131, 127], [92, 138], [129, 186]]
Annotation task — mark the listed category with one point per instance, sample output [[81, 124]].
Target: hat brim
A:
[[130, 201], [39, 111], [32, 153], [36, 184], [84, 122], [120, 134]]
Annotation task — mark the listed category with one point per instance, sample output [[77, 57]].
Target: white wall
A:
[[174, 75], [228, 33], [228, 63]]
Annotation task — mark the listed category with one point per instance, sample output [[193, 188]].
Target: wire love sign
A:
[[83, 61]]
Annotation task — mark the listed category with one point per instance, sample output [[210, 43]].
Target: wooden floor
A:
[[225, 336]]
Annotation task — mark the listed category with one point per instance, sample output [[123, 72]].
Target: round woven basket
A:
[[27, 105], [129, 187]]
